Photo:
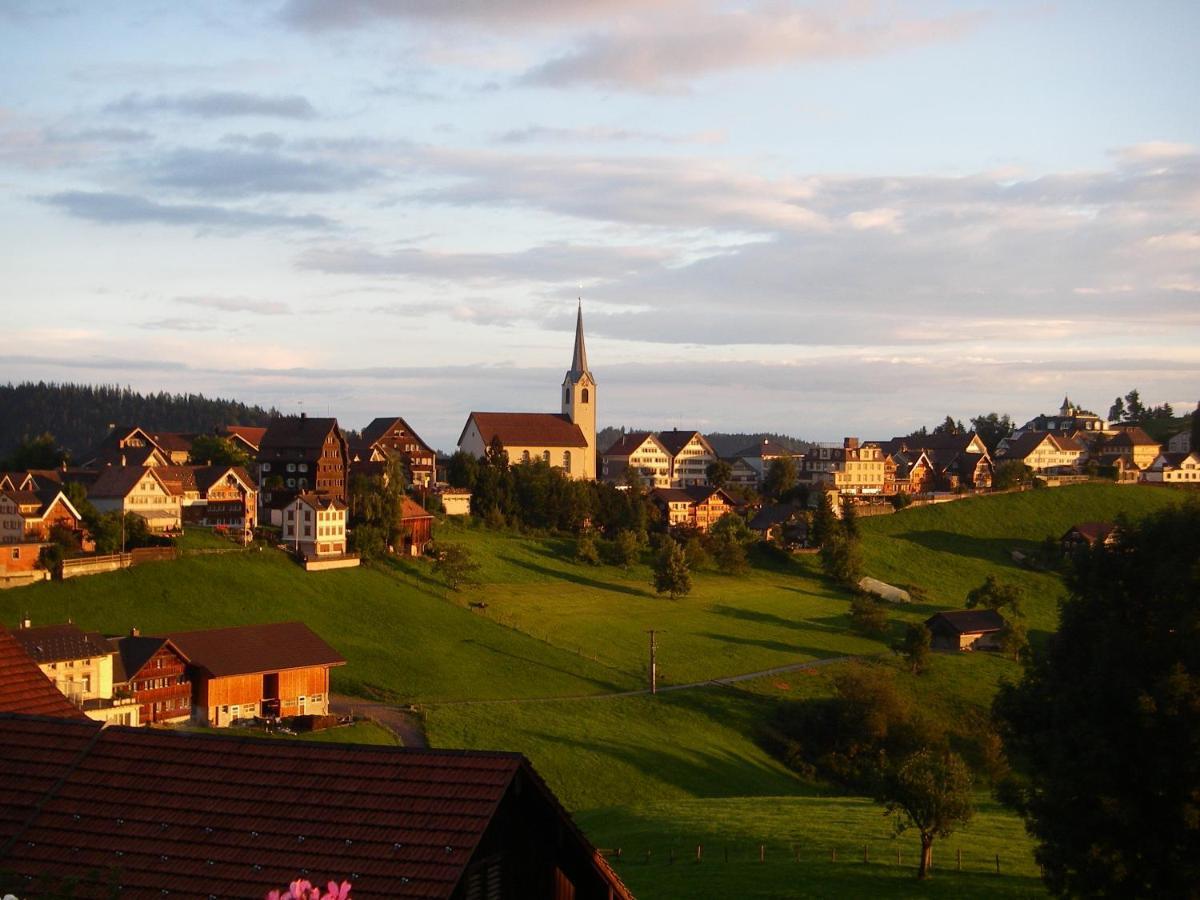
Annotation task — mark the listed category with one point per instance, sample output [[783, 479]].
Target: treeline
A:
[[79, 415]]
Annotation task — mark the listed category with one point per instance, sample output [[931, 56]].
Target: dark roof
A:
[[672, 495], [219, 815], [764, 449], [382, 427], [1132, 437], [24, 688], [296, 433], [249, 649], [967, 621], [579, 363], [1031, 440], [174, 441], [675, 440], [1091, 531], [770, 516], [320, 501], [52, 643], [527, 429], [118, 481], [411, 510], [134, 651], [627, 443]]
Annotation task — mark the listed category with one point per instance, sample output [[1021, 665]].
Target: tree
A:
[[627, 548], [41, 452], [1010, 473], [841, 559], [453, 562], [462, 469], [1133, 406], [718, 473], [586, 550], [671, 574], [993, 594], [695, 553], [915, 647], [949, 426], [849, 518], [1014, 639], [1102, 729], [932, 788], [867, 614], [824, 522], [1116, 412], [781, 476], [1196, 428], [992, 428], [218, 451]]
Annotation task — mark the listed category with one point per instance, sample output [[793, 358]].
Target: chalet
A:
[[280, 669], [1174, 468], [223, 497], [137, 490], [51, 510], [315, 526], [956, 461], [244, 437], [1069, 418], [1044, 451], [152, 672], [393, 438], [966, 629], [80, 664], [299, 454], [128, 445], [757, 459], [24, 688], [697, 506], [691, 455], [851, 468], [638, 454], [915, 473], [175, 446], [237, 817], [17, 481], [1086, 535], [1135, 445], [1182, 442], [743, 473], [565, 440], [784, 523], [418, 527]]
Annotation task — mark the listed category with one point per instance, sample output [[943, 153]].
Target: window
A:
[[567, 460], [291, 467], [546, 457], [525, 456], [585, 395]]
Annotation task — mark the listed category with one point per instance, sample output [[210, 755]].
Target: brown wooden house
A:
[[697, 506], [393, 438], [966, 629], [418, 527], [274, 670], [152, 671], [300, 454]]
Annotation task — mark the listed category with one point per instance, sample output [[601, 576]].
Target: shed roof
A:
[[249, 649]]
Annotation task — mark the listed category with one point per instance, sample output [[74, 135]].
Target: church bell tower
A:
[[579, 402]]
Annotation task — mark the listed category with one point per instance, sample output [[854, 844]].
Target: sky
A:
[[820, 219]]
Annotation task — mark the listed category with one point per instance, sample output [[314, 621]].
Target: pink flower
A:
[[337, 892]]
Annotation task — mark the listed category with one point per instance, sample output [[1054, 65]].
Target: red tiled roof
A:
[[24, 688], [527, 429], [248, 649], [214, 815], [248, 433], [1092, 531], [412, 510], [174, 441]]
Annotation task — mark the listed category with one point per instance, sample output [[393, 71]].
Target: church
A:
[[565, 440]]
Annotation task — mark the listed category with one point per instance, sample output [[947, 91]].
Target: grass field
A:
[[364, 732], [645, 772]]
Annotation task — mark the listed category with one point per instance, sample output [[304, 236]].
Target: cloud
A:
[[549, 263], [543, 134], [101, 135], [128, 209], [655, 54], [234, 173], [237, 304], [264, 140], [317, 15], [216, 105]]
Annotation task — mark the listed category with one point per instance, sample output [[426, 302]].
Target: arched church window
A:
[[546, 457], [524, 456], [585, 395], [567, 460]]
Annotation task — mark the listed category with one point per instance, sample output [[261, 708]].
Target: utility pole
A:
[[653, 661]]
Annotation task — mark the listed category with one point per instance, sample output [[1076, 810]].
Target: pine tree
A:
[[671, 574]]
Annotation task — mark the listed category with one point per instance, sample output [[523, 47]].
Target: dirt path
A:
[[405, 725]]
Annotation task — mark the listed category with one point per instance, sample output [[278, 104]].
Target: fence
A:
[[111, 562]]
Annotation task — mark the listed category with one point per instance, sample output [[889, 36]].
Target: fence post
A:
[[866, 855], [833, 855], [648, 852], [958, 859], [618, 854], [762, 853], [997, 863], [897, 856], [697, 853]]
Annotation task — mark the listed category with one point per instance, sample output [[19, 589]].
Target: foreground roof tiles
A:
[[208, 815]]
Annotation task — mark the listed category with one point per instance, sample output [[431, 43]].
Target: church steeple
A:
[[579, 365]]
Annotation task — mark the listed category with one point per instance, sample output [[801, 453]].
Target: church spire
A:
[[579, 364]]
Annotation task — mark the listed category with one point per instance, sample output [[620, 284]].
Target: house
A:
[[641, 454], [19, 562], [1182, 442], [456, 501], [565, 440], [237, 817], [691, 455], [300, 454], [956, 461], [315, 526], [24, 688], [1134, 445], [175, 446], [279, 669], [1044, 451], [152, 673], [1069, 418], [915, 472], [849, 468], [1174, 468], [245, 437], [128, 445], [80, 664], [394, 438], [966, 629], [750, 464], [137, 490], [1086, 535], [50, 509], [785, 523], [743, 473], [223, 497], [696, 506], [17, 481], [418, 527]]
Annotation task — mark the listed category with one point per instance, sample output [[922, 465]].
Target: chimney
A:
[[850, 443], [135, 632], [304, 415]]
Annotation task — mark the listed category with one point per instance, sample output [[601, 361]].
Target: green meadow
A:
[[544, 654]]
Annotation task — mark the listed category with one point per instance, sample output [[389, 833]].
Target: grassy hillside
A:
[[529, 672]]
